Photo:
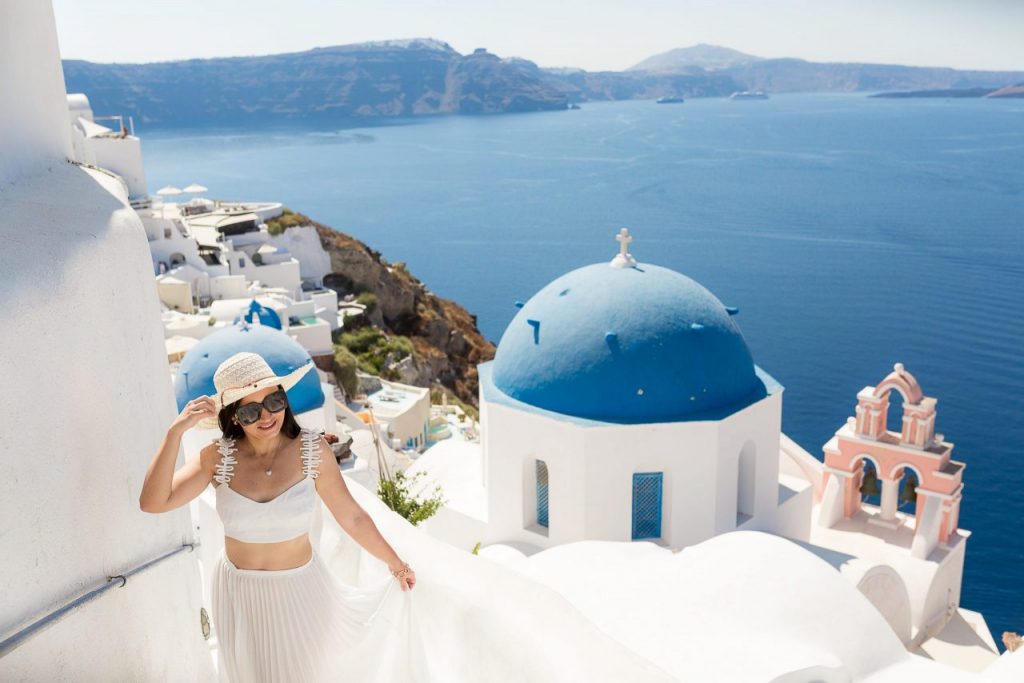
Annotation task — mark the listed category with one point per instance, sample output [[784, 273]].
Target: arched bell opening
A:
[[870, 483], [894, 413], [906, 500]]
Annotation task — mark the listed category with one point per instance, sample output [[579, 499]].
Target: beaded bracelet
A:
[[403, 572]]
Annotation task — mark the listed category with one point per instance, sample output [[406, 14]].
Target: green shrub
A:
[[368, 299], [396, 495], [345, 364], [287, 219], [371, 348], [362, 340]]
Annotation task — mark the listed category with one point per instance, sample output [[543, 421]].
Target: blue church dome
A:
[[626, 344], [282, 353], [266, 316]]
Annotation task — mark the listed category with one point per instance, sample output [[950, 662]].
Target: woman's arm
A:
[[164, 489], [352, 517]]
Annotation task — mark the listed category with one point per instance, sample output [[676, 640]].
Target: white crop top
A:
[[284, 517]]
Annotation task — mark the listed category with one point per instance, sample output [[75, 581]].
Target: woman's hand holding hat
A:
[[194, 411]]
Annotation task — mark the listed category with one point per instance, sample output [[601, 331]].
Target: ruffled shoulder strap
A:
[[310, 453], [226, 466]]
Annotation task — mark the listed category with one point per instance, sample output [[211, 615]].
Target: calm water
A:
[[851, 233]]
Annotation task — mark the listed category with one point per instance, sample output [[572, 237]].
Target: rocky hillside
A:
[[382, 79], [717, 72], [347, 84], [446, 345], [797, 75], [594, 86], [1015, 90], [705, 56]]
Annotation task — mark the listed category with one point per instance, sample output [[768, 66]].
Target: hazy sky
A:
[[593, 34]]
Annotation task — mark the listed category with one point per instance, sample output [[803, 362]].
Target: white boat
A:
[[749, 95]]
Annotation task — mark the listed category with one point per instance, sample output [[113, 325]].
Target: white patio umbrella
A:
[[165, 191], [178, 346], [195, 188]]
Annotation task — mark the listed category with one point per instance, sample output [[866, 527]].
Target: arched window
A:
[[647, 505], [894, 415], [542, 493], [746, 479]]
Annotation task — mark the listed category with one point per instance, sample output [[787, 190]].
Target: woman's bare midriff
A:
[[288, 554]]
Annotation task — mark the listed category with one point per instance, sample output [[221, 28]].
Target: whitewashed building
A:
[[623, 404]]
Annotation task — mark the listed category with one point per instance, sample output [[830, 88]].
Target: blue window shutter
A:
[[542, 493], [647, 505]]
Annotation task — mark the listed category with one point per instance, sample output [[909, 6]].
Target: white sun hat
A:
[[243, 374]]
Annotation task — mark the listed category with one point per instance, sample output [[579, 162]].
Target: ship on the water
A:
[[669, 99], [749, 95]]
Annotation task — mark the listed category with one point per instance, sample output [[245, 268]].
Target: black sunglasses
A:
[[248, 413]]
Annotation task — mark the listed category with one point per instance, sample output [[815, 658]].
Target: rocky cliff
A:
[[348, 84], [326, 85], [446, 344]]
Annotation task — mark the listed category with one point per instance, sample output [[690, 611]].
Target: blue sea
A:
[[851, 233]]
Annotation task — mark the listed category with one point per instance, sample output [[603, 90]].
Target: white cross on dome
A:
[[623, 259]]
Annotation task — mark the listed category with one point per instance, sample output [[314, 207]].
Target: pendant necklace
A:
[[270, 469]]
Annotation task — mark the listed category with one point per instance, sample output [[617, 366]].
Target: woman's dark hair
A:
[[231, 430]]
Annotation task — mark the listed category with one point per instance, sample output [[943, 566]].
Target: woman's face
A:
[[269, 424]]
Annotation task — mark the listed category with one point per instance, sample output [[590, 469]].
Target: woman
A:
[[278, 612]]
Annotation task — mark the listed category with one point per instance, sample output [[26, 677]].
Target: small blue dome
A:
[[266, 316], [636, 344], [282, 353]]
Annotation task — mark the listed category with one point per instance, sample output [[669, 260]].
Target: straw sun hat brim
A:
[[237, 393]]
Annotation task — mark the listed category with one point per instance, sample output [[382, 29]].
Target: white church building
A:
[[623, 404]]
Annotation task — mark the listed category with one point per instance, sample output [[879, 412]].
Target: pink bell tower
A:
[[916, 448]]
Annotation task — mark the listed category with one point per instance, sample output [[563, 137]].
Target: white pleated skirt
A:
[[305, 625]]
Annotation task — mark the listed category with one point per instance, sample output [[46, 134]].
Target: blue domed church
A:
[[623, 403], [282, 353]]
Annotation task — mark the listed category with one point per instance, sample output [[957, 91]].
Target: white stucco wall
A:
[[512, 441], [123, 156], [284, 274], [167, 243], [304, 244], [409, 422], [684, 452], [87, 400], [120, 155], [175, 294], [228, 287], [590, 470], [314, 338], [92, 399], [328, 302], [756, 427], [34, 111]]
